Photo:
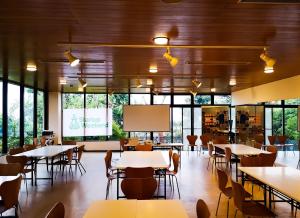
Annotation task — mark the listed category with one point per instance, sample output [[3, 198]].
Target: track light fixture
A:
[[194, 93], [172, 60], [196, 83], [138, 83], [269, 62], [82, 82], [153, 69], [80, 89], [73, 61]]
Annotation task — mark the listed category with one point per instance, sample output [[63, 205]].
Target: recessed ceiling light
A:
[[62, 81], [73, 61], [161, 40], [213, 89], [268, 69], [232, 82], [153, 70], [31, 67]]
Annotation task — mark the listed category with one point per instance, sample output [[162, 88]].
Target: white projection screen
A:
[[145, 118]]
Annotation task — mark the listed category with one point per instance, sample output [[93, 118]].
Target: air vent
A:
[[270, 1]]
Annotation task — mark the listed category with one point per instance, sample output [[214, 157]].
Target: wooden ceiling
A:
[[40, 31]]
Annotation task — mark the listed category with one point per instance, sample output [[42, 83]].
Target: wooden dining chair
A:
[[16, 150], [29, 147], [220, 139], [257, 145], [139, 172], [249, 207], [202, 209], [192, 141], [123, 142], [10, 169], [57, 211], [282, 139], [65, 162], [226, 191], [143, 147], [43, 141], [259, 138], [213, 156], [9, 193], [139, 188], [204, 143], [35, 142], [272, 148], [172, 173], [272, 139], [77, 159], [267, 160], [109, 171]]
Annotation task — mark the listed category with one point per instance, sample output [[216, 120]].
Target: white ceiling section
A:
[[279, 90]]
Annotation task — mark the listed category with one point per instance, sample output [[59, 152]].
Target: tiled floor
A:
[[195, 182]]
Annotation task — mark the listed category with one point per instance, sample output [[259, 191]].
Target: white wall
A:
[[279, 90], [54, 108]]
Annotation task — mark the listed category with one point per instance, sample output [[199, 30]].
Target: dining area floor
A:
[[78, 192]]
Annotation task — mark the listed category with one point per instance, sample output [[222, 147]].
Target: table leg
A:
[[52, 171], [165, 191], [270, 198], [243, 178], [32, 170], [265, 195], [117, 184], [35, 171], [236, 171]]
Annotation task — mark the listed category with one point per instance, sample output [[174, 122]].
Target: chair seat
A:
[[227, 192], [255, 209]]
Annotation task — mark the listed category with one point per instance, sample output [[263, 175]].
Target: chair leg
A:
[[107, 189], [235, 213], [228, 208], [82, 166], [177, 187], [218, 203], [25, 181], [208, 163]]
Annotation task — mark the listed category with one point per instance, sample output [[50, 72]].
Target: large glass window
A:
[[222, 99], [116, 102], [40, 113], [291, 124], [182, 99], [161, 99], [198, 121], [28, 115], [277, 121], [295, 101], [13, 109], [143, 99], [181, 124], [202, 99]]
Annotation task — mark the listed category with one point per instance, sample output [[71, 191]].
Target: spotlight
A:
[[269, 62], [62, 81], [153, 70], [31, 67], [194, 93], [161, 40], [138, 83], [82, 82], [80, 89], [196, 83], [172, 60], [232, 82], [73, 61], [213, 89]]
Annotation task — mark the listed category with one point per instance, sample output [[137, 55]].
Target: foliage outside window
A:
[[277, 121], [202, 99], [182, 99], [222, 99], [273, 103], [13, 109], [28, 115], [295, 101], [40, 113], [291, 124]]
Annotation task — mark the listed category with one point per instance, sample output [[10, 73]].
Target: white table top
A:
[[136, 209], [279, 145], [153, 159], [240, 149], [284, 179], [47, 151], [169, 145]]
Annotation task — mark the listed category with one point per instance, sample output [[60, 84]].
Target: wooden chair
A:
[[202, 209], [227, 191], [248, 208], [243, 136], [123, 142], [267, 160], [57, 211], [258, 145], [259, 138], [272, 149], [143, 147], [29, 147], [172, 173], [69, 142], [110, 175], [16, 150], [10, 169], [170, 157], [272, 139], [282, 139], [228, 157], [35, 142], [139, 188], [9, 193], [77, 159], [192, 141], [212, 155], [65, 162], [143, 172], [204, 146], [43, 141], [22, 160]]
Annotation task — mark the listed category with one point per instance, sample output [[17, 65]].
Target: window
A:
[[73, 116], [13, 109], [291, 124], [277, 121], [295, 101], [161, 99], [222, 99], [28, 115], [202, 99], [273, 103], [40, 113], [182, 99], [116, 102], [143, 99], [181, 124], [198, 121]]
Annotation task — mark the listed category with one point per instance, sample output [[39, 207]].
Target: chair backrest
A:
[[143, 147], [282, 139], [222, 179], [238, 194], [192, 139], [170, 157], [204, 139], [221, 139], [43, 140], [107, 160], [123, 141], [259, 138], [17, 150], [142, 172], [175, 158], [9, 192], [139, 188], [272, 139], [10, 169], [35, 141], [267, 160], [228, 153], [68, 142], [148, 142], [272, 149], [57, 211], [202, 209], [22, 160], [80, 151], [29, 147], [250, 161], [257, 145], [69, 154], [210, 150]]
